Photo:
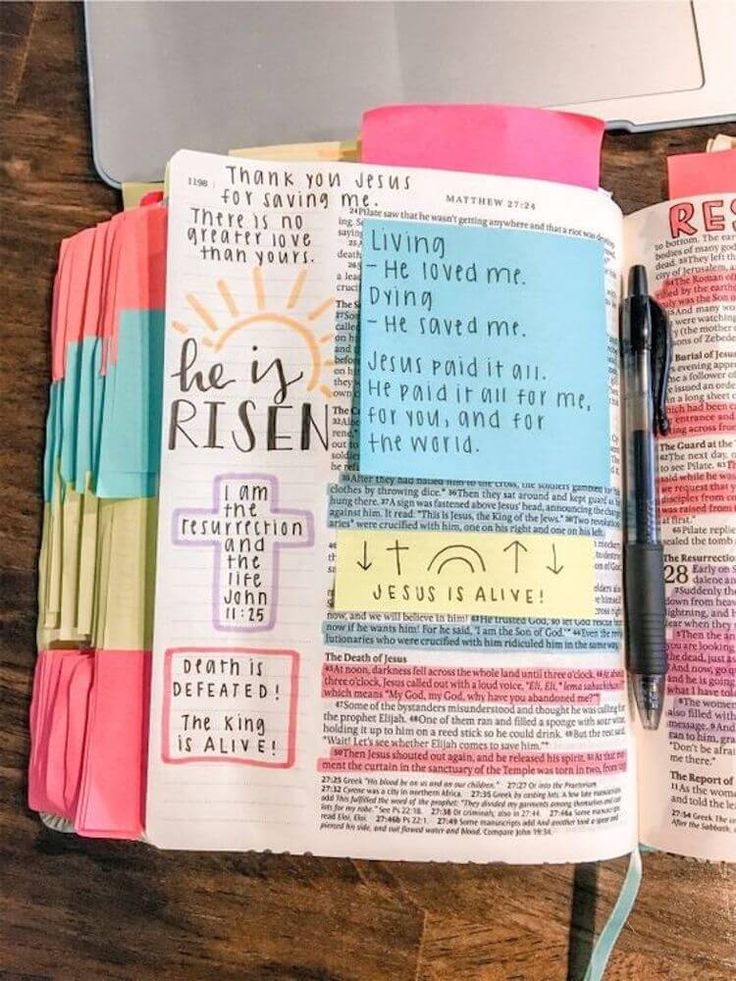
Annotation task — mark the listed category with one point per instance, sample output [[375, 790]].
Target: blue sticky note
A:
[[69, 407], [91, 381], [51, 450], [130, 443], [483, 355]]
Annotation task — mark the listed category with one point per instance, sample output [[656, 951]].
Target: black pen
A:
[[647, 356]]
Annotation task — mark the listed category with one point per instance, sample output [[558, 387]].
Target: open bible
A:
[[388, 618]]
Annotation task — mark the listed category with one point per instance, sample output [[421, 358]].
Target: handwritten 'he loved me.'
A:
[[483, 355]]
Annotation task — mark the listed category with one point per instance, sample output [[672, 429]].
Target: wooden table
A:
[[76, 908]]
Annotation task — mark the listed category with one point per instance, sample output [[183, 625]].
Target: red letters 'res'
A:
[[680, 215], [714, 222]]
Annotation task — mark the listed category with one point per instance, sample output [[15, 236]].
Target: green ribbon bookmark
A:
[[616, 921]]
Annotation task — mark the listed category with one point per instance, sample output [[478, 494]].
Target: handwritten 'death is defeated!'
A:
[[230, 704], [483, 354]]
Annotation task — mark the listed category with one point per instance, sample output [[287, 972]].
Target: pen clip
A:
[[661, 362]]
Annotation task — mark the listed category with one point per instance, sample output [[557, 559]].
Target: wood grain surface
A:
[[78, 909]]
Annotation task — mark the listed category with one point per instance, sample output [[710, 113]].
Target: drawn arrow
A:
[[556, 569], [516, 545], [365, 564]]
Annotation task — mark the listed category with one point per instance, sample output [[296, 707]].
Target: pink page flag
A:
[[512, 141], [689, 174], [111, 800], [58, 722]]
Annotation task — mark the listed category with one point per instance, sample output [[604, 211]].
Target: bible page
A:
[[687, 768], [388, 616]]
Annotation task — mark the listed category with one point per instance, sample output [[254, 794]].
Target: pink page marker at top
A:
[[93, 297], [155, 256], [60, 302], [151, 197], [689, 174], [137, 270], [110, 240], [141, 275], [83, 245], [70, 291], [513, 141]]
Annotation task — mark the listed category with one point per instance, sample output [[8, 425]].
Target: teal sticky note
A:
[[483, 355], [108, 446], [138, 389], [50, 454], [131, 424], [99, 388], [126, 425], [70, 427], [58, 431], [155, 391], [90, 386]]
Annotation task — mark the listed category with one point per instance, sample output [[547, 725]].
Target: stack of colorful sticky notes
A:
[[96, 567]]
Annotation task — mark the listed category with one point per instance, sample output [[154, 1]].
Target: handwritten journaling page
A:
[[350, 649], [248, 391]]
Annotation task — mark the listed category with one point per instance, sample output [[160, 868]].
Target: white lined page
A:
[[268, 796]]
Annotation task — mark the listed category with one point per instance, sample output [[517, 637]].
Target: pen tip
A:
[[638, 285], [649, 696], [650, 718]]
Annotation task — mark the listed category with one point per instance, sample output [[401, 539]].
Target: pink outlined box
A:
[[232, 652]]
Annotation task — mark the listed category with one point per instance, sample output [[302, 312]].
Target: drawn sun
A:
[[301, 325]]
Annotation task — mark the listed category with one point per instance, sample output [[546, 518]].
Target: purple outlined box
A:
[[306, 541]]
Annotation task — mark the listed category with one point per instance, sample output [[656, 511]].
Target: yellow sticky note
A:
[[335, 150], [71, 527], [102, 569], [87, 562], [127, 613], [393, 571], [53, 583], [44, 634]]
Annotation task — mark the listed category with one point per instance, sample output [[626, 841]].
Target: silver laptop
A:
[[213, 76]]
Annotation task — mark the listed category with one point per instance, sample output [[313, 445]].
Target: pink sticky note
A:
[[129, 283], [70, 291], [106, 233], [112, 794], [60, 305], [58, 723], [37, 716], [80, 684], [59, 710], [151, 197], [701, 173], [108, 322], [43, 756], [81, 246], [57, 351], [154, 256], [141, 274], [509, 140], [94, 284]]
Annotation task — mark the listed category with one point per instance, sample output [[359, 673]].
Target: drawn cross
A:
[[247, 530]]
